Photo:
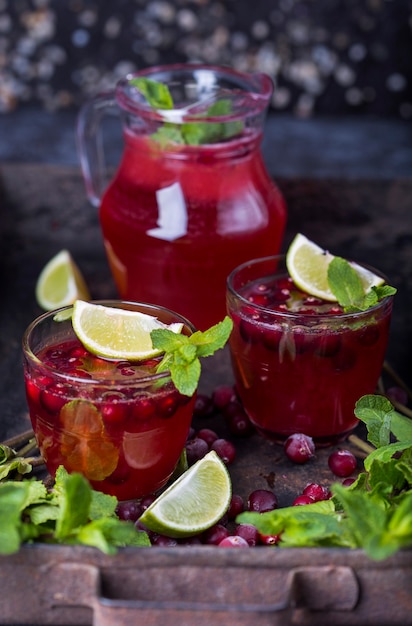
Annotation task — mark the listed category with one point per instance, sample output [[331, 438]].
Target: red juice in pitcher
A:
[[301, 363], [224, 210]]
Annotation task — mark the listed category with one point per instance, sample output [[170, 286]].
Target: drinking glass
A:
[[119, 423], [300, 367]]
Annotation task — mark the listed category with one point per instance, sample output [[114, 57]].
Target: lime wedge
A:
[[197, 500], [307, 264], [116, 333], [60, 283]]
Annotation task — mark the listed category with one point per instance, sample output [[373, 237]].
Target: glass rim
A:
[[104, 383], [292, 315], [260, 86]]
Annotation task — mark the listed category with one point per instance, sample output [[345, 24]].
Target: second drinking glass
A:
[[301, 363]]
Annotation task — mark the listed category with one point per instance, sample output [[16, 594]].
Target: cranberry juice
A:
[[176, 222], [300, 363], [115, 422]]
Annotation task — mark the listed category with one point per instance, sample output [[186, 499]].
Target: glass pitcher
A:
[[191, 198]]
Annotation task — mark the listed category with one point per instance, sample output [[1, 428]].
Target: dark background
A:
[[326, 57]]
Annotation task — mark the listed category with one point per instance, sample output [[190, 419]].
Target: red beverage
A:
[[118, 423], [300, 363], [230, 216], [177, 218]]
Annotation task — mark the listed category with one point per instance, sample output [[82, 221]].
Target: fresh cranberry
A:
[[302, 499], [238, 421], [214, 535], [272, 336], [207, 435], [250, 330], [233, 541], [114, 410], [222, 395], [143, 409], [190, 541], [342, 463], [167, 405], [299, 448], [203, 405], [348, 482], [236, 506], [248, 532], [316, 492], [262, 500], [130, 511], [165, 542], [225, 450], [269, 540], [196, 449], [55, 396]]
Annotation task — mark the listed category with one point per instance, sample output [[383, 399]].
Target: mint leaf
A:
[[182, 353], [380, 417], [157, 94], [345, 284], [75, 499]]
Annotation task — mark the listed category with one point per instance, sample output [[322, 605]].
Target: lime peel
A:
[[115, 333], [308, 264], [197, 500], [60, 283]]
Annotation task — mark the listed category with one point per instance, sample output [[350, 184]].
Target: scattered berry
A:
[[342, 463], [302, 499], [222, 395], [316, 492], [225, 449], [236, 507], [196, 449], [248, 532], [262, 500], [207, 435], [299, 448], [233, 541]]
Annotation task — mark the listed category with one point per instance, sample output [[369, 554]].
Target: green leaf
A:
[[345, 283], [75, 500], [380, 417], [182, 353], [13, 498], [157, 94]]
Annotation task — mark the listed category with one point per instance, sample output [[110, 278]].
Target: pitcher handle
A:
[[90, 143]]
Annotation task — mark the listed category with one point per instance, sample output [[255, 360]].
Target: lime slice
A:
[[197, 500], [60, 283], [307, 264], [116, 333]]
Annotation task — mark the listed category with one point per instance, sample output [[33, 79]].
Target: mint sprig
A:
[[71, 513], [375, 512], [346, 285], [158, 96], [182, 353]]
